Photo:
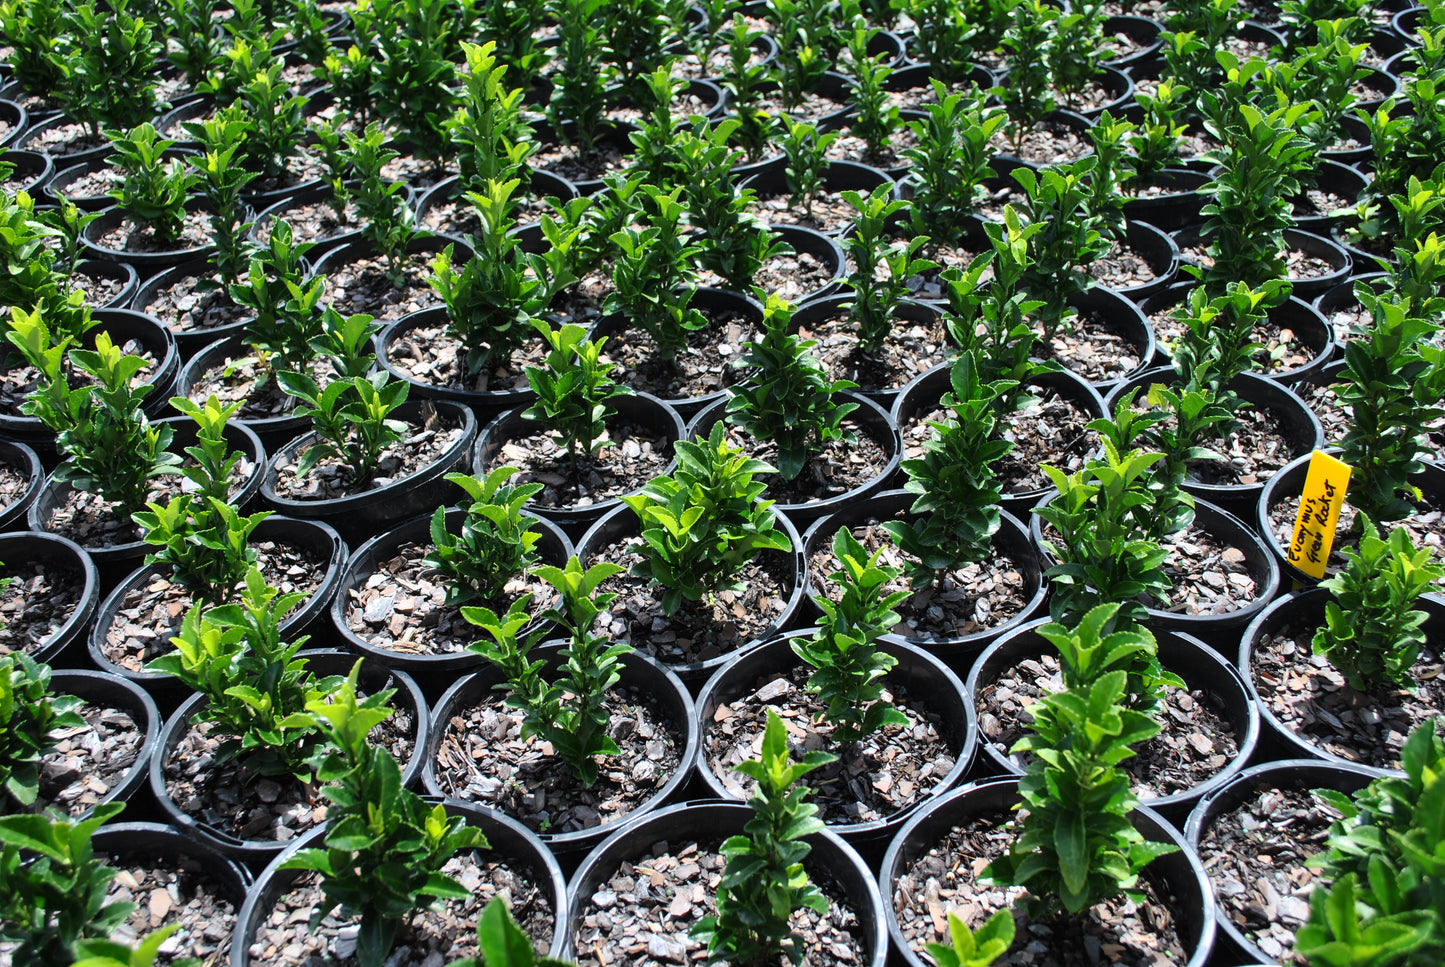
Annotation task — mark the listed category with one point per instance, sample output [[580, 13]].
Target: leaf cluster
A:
[[497, 541], [29, 712], [573, 391], [154, 189], [878, 296], [950, 161]]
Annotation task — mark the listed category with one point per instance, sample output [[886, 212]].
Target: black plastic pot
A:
[[487, 404], [920, 397], [611, 135], [1179, 203], [637, 671], [1202, 668], [310, 535], [358, 516], [1183, 879], [323, 662], [18, 120], [1158, 251], [1297, 774], [838, 176], [62, 177], [831, 859], [122, 325], [1143, 31], [100, 689], [1296, 421], [434, 672], [640, 409], [30, 141], [1407, 23], [280, 204], [334, 258], [1307, 609], [821, 247], [1340, 298], [147, 262], [188, 341], [508, 840], [869, 418], [1357, 130], [1337, 179], [809, 314], [542, 184], [621, 524], [931, 684], [25, 462], [1121, 315], [33, 170], [1076, 123], [1288, 484], [114, 561], [114, 271], [1012, 540], [22, 547], [274, 432], [1295, 241]]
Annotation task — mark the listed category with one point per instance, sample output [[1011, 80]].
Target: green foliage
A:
[[570, 713], [948, 34], [1178, 422], [108, 953], [415, 74], [848, 667], [1386, 906], [1372, 632], [29, 712], [974, 948], [951, 161], [573, 392], [385, 846], [275, 124], [652, 272], [1154, 145], [352, 419], [53, 889], [575, 110], [487, 131], [1218, 343], [1058, 199], [1075, 52], [220, 178], [735, 244], [192, 25], [513, 27], [788, 398], [33, 29], [705, 522], [764, 881], [876, 119], [503, 943], [497, 541], [153, 192], [254, 684], [635, 37], [803, 30], [956, 512], [1025, 94], [390, 224], [742, 79], [878, 297], [1105, 641], [1076, 844], [108, 66], [806, 151], [287, 307]]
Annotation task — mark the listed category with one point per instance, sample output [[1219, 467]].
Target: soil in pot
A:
[[965, 602], [1118, 931], [236, 378], [429, 354], [1207, 576], [837, 467], [704, 366], [230, 798], [581, 303], [132, 237], [698, 631], [195, 302], [1255, 855], [1049, 142], [1197, 740], [1283, 350], [422, 446], [1311, 699], [1121, 268], [180, 890], [1253, 452], [37, 603], [63, 139], [791, 275], [637, 454], [432, 936], [482, 757], [1426, 527], [89, 760], [151, 614], [828, 214], [641, 915], [100, 290], [883, 774], [14, 481], [362, 286], [1090, 346], [914, 346], [577, 164], [850, 147]]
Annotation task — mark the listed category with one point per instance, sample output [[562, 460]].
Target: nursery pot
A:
[[1179, 873], [1337, 179], [356, 516], [1296, 774], [869, 418], [1143, 31], [67, 173], [506, 838], [189, 342], [374, 677], [111, 218], [621, 524], [1177, 204], [1118, 313], [107, 691], [822, 247], [934, 689], [23, 547], [33, 171], [274, 432], [830, 858], [1010, 540], [30, 138], [1157, 250], [1202, 668], [435, 672], [24, 462], [643, 410], [117, 272], [839, 176], [1305, 288], [908, 312], [16, 119], [309, 535], [540, 184], [637, 671]]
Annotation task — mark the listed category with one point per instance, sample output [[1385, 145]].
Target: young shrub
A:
[[573, 392], [1075, 52], [29, 713], [351, 419], [705, 522], [1076, 845], [1218, 343], [497, 541], [198, 535], [1384, 907], [1025, 94], [1393, 382], [789, 398], [652, 143], [288, 313], [415, 78], [192, 25], [1058, 199], [30, 278], [635, 37], [1154, 144], [951, 161], [110, 447], [487, 130], [68, 222], [974, 948], [742, 80], [653, 274], [1325, 74], [1372, 633], [513, 28], [53, 889], [875, 120], [385, 845], [108, 78], [390, 224], [800, 28], [877, 298], [1104, 641], [847, 666], [805, 149], [948, 35], [1104, 206], [153, 192], [34, 31], [570, 713], [256, 688], [957, 510], [764, 881], [275, 124], [575, 110], [220, 178]]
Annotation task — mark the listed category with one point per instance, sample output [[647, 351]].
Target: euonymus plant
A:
[[497, 541], [29, 712], [573, 392]]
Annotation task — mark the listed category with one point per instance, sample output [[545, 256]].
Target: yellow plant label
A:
[[1319, 512]]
